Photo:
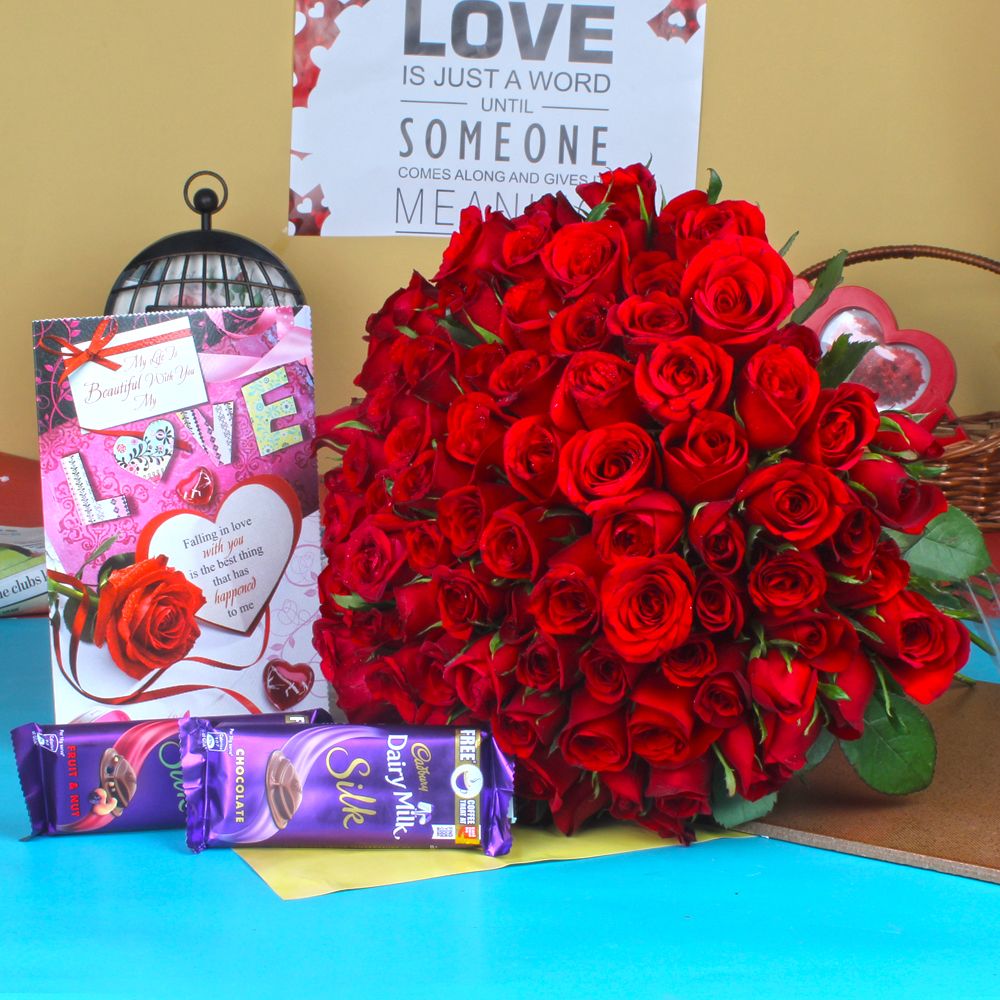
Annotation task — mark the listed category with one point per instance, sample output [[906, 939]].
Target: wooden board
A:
[[953, 826]]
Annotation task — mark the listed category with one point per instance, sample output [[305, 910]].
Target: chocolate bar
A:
[[113, 776], [345, 786]]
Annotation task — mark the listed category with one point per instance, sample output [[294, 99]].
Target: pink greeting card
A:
[[181, 511]]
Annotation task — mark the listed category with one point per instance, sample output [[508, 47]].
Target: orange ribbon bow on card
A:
[[94, 351]]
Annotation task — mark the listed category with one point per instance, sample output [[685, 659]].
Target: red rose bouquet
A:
[[603, 495]]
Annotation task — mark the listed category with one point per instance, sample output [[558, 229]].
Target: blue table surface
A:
[[136, 915]]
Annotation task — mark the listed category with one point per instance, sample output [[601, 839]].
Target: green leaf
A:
[[356, 425], [407, 331], [816, 754], [598, 212], [714, 186], [788, 243], [97, 553], [827, 281], [843, 357], [350, 601], [495, 643], [834, 692], [487, 335], [895, 755], [728, 777], [733, 810], [951, 548]]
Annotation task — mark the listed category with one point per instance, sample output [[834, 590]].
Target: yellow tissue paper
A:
[[300, 872]]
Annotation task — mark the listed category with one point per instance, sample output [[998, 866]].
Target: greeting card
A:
[[181, 511]]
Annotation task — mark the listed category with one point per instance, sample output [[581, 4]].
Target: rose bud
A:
[[546, 663], [683, 377], [787, 687], [718, 537], [693, 222], [847, 717], [690, 663], [464, 600], [786, 583], [529, 721], [776, 394], [606, 675], [721, 699], [796, 502], [681, 792], [595, 737], [475, 427], [482, 678], [581, 326], [656, 271], [524, 381], [719, 603], [531, 449], [908, 439], [922, 647], [888, 574], [841, 427], [596, 389], [710, 463], [900, 502], [636, 524], [630, 190], [664, 729], [527, 315]]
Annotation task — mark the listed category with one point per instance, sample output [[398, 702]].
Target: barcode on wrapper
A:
[[443, 831]]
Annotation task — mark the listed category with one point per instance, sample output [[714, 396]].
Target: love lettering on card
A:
[[180, 498]]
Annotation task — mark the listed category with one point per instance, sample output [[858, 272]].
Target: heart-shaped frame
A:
[[867, 316]]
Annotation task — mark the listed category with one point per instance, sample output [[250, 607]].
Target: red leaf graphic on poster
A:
[[319, 30], [307, 212], [667, 24]]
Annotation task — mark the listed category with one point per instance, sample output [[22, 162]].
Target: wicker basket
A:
[[971, 479]]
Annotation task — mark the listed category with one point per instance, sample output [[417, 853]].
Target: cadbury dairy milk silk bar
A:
[[345, 786], [112, 776]]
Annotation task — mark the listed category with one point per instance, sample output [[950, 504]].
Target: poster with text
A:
[[407, 111]]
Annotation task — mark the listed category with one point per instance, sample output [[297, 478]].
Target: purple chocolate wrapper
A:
[[345, 786], [112, 776]]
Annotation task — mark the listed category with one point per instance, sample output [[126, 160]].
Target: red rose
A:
[[476, 246], [580, 802], [406, 440], [900, 502], [795, 335], [521, 246], [857, 680], [683, 377], [775, 394], [888, 574], [475, 427], [529, 721], [721, 699], [518, 540], [908, 439], [595, 737], [646, 606], [626, 788], [718, 537], [482, 679], [787, 687], [644, 321], [799, 503], [531, 450], [786, 583], [922, 647], [581, 326], [587, 257], [428, 364], [740, 290], [546, 663], [688, 222], [477, 364], [527, 315], [607, 462], [681, 792], [719, 604], [842, 425], [851, 548], [738, 746], [524, 381], [663, 727], [417, 606], [630, 190], [371, 560], [426, 547], [463, 513], [825, 640], [710, 463], [688, 664], [596, 389], [557, 207], [464, 600], [637, 524], [656, 271], [565, 602], [146, 616], [787, 742], [606, 675]]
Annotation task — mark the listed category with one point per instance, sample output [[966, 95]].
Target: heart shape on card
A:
[[148, 455], [239, 556], [286, 684], [909, 369]]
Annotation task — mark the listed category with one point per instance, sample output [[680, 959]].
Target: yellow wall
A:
[[855, 122]]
